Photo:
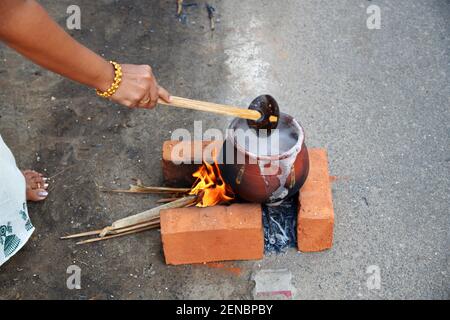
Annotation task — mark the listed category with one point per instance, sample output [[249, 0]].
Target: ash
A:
[[280, 225]]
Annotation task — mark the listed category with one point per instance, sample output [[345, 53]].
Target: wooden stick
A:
[[116, 235], [82, 234], [143, 189], [152, 213], [111, 231], [57, 174], [143, 219], [154, 222], [190, 205], [165, 200], [179, 7], [215, 108]]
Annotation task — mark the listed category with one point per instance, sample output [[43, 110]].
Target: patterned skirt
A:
[[15, 224]]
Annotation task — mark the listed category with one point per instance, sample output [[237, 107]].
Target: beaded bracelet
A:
[[115, 85]]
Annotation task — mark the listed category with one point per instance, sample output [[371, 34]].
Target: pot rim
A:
[[296, 148]]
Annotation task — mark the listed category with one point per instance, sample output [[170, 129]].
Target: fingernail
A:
[[45, 179], [42, 193], [170, 98], [45, 185]]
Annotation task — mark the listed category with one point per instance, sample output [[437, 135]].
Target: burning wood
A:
[[208, 190], [152, 213], [140, 188], [210, 186]]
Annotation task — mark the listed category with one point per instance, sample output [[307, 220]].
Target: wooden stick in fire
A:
[[152, 213], [137, 221], [141, 221], [144, 189], [165, 200]]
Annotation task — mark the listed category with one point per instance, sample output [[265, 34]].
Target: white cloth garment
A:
[[15, 224]]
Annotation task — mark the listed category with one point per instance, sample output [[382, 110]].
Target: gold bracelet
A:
[[115, 85]]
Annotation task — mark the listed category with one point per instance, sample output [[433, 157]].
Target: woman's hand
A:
[[138, 88], [56, 53]]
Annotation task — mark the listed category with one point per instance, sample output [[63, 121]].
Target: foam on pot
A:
[[280, 149]]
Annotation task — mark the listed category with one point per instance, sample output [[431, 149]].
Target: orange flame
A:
[[210, 186]]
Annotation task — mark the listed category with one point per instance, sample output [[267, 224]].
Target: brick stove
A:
[[235, 232]]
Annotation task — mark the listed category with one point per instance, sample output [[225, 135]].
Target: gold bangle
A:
[[115, 85]]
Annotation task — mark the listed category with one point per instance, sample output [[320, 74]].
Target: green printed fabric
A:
[[15, 224]]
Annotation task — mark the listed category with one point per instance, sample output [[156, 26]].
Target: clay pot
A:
[[261, 175]]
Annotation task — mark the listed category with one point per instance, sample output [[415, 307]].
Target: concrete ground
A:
[[378, 100]]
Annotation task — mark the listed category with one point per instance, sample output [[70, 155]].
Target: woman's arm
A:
[[26, 27]]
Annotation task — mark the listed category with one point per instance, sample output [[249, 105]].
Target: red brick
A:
[[318, 165], [219, 233], [315, 221], [180, 175]]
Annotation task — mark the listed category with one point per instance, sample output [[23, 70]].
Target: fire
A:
[[210, 186]]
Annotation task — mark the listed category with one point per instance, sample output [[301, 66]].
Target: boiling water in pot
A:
[[275, 166], [262, 143]]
